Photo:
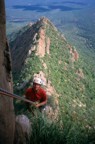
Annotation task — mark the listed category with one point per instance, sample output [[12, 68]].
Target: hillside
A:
[[40, 49]]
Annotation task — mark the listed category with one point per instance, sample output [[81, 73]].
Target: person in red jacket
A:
[[36, 94]]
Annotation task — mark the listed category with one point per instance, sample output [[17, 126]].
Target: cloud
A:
[[47, 8]]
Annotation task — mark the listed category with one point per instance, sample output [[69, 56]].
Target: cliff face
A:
[[30, 38], [39, 49], [7, 119]]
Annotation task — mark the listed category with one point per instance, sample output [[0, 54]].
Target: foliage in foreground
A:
[[46, 132]]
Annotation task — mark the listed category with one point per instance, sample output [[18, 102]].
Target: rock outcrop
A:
[[32, 39], [7, 117], [23, 130]]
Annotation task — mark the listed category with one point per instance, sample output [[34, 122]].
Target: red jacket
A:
[[36, 96]]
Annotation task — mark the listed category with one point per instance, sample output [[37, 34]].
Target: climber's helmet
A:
[[37, 80]]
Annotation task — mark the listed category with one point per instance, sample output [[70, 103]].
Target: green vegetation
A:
[[76, 123], [64, 131]]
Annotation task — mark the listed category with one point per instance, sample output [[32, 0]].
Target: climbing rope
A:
[[8, 94]]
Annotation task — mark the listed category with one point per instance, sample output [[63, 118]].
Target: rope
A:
[[6, 93]]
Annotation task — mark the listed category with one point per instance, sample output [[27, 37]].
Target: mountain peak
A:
[[31, 38], [45, 21]]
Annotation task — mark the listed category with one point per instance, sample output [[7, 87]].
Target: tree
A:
[[7, 117]]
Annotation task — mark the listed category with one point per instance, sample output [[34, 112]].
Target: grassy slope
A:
[[77, 97], [65, 81]]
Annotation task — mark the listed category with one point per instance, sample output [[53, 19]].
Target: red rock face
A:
[[74, 53], [48, 46], [43, 45]]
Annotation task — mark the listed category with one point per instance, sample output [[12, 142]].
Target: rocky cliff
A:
[[7, 117]]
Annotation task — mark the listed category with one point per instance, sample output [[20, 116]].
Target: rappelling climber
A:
[[36, 94]]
